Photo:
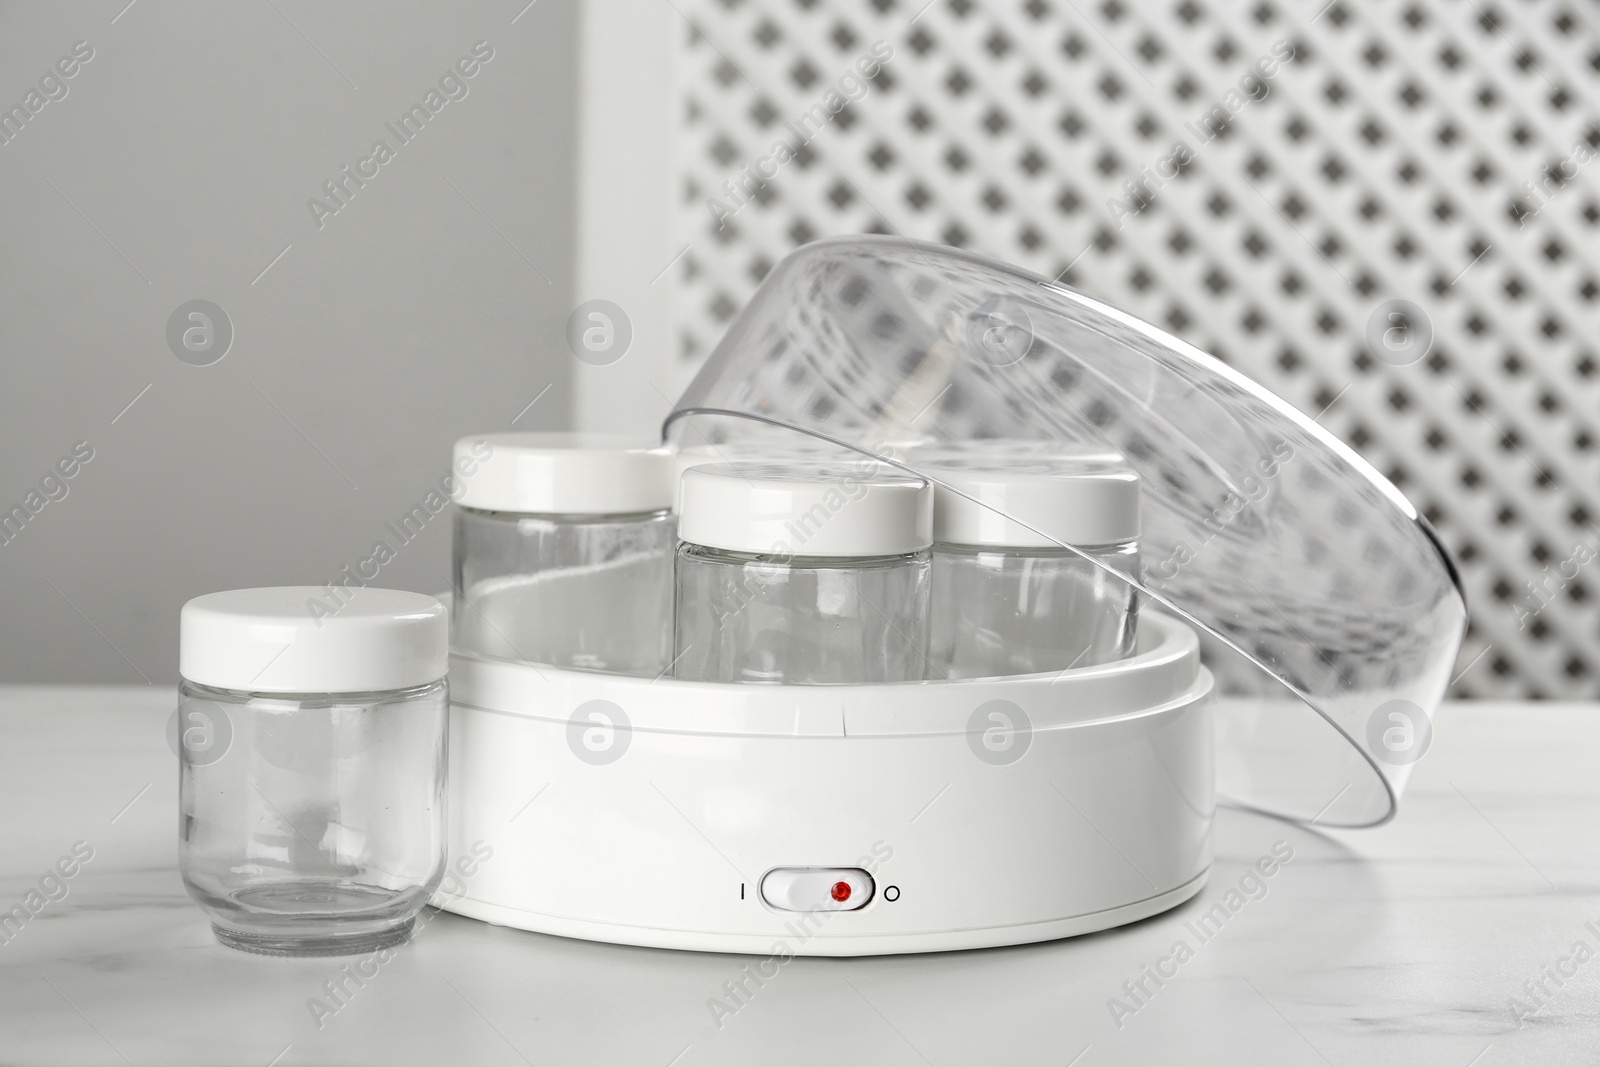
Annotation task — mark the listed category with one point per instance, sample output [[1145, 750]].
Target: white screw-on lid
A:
[[1085, 499], [743, 453], [806, 509], [563, 473], [793, 448], [310, 639]]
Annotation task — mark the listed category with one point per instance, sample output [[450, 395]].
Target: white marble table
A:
[[1402, 945]]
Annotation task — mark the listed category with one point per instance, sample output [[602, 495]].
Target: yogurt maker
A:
[[1297, 626]]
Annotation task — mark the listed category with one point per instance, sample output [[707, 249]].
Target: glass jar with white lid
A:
[[311, 732], [802, 573], [563, 550], [1009, 596]]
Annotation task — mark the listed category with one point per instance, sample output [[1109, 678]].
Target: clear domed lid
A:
[[1328, 609]]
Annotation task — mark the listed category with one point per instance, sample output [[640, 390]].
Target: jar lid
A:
[[563, 473], [750, 453], [745, 453], [806, 509], [313, 639], [1015, 500]]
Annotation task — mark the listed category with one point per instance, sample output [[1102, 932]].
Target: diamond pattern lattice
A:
[[1436, 152]]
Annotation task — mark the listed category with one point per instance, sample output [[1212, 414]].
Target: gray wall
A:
[[176, 167]]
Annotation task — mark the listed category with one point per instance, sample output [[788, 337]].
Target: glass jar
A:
[[1008, 597], [563, 551], [802, 573], [311, 731]]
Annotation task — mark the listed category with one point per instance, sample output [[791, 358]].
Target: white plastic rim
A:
[[310, 639], [795, 508], [1166, 664], [563, 474]]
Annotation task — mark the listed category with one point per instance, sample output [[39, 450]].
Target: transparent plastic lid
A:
[[1328, 610]]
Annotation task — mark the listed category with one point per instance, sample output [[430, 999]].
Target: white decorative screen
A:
[[1386, 212]]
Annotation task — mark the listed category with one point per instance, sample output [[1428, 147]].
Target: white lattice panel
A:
[[1386, 160]]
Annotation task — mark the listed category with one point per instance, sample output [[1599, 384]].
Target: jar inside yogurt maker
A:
[[1033, 561], [563, 551], [802, 573]]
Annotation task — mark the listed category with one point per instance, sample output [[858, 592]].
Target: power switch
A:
[[817, 888]]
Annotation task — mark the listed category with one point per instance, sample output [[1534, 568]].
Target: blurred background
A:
[[1383, 211]]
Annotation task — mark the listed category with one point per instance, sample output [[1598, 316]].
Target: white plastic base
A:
[[857, 945], [991, 812]]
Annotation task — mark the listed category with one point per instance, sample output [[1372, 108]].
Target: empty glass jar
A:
[[563, 550], [311, 732], [802, 573], [1008, 598]]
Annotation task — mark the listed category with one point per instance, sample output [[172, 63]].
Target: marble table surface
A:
[[1450, 936]]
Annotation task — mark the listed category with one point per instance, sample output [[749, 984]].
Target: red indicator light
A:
[[841, 891]]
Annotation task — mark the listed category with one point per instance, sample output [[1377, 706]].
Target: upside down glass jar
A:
[[311, 732], [802, 573], [563, 551]]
